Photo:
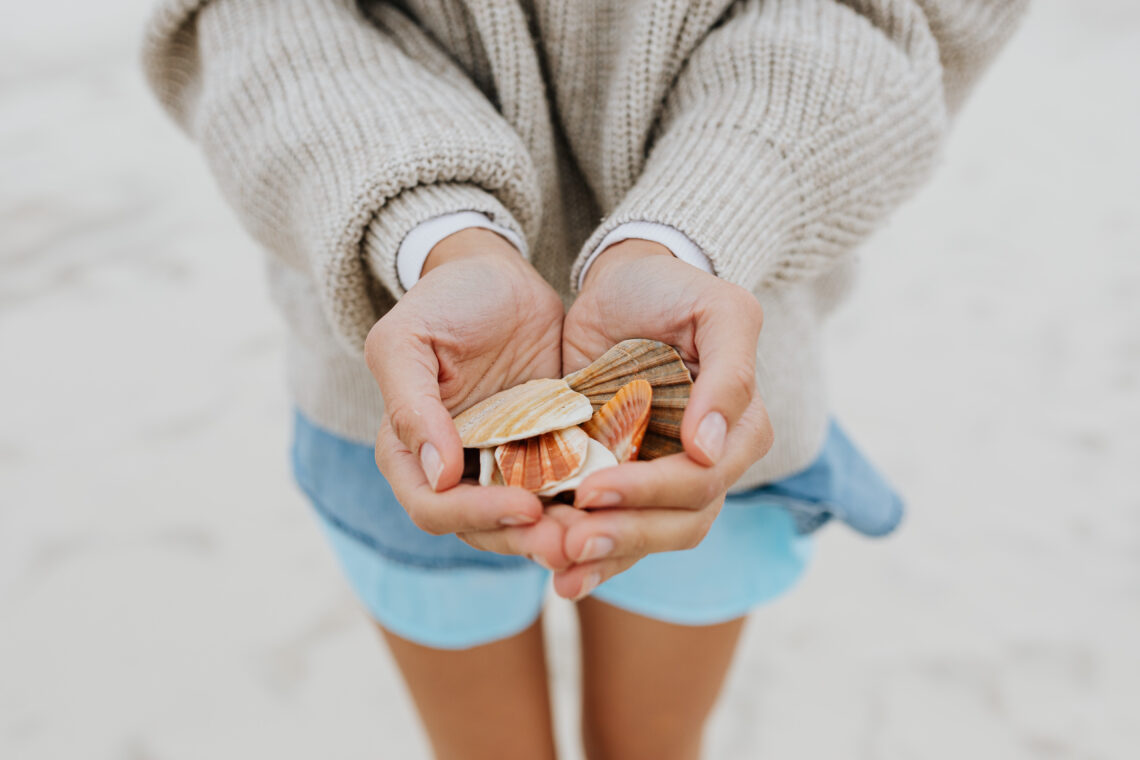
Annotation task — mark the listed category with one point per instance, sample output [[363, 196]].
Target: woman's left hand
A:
[[637, 289]]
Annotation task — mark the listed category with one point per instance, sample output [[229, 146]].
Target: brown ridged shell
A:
[[655, 445], [621, 422], [539, 462], [524, 411], [649, 360]]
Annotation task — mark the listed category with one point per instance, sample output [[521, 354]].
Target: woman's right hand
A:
[[479, 320]]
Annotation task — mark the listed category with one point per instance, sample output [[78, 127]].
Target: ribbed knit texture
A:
[[775, 134]]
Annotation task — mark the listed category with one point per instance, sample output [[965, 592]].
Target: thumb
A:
[[407, 370], [726, 331]]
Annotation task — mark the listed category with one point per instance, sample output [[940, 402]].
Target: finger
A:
[[407, 371], [674, 481], [542, 542], [726, 331], [462, 508], [610, 542], [677, 480], [613, 533], [578, 581]]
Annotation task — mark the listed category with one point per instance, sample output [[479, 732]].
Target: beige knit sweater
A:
[[775, 134]]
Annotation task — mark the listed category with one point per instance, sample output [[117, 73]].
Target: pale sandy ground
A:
[[163, 592]]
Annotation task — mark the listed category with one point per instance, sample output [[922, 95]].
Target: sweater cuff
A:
[[672, 238], [739, 201], [417, 245], [415, 218]]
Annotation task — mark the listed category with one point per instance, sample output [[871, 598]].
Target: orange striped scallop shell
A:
[[621, 422], [539, 462]]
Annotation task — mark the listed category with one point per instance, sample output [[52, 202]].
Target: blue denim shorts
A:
[[440, 592]]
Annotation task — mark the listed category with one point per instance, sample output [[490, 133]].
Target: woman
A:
[[433, 179]]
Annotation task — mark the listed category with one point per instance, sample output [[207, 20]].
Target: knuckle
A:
[[741, 380], [402, 420], [637, 543], [759, 425], [384, 451], [767, 438], [424, 520]]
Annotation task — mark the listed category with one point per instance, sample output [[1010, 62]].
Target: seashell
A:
[[489, 474], [620, 424], [539, 462], [655, 445], [649, 360], [524, 411], [598, 457]]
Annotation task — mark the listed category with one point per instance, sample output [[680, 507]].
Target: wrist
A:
[[472, 242], [623, 251]]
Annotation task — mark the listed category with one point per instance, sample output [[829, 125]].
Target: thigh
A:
[[648, 686], [488, 701]]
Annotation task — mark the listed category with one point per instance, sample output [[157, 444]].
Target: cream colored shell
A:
[[526, 410]]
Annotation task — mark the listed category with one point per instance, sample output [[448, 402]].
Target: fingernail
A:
[[432, 464], [588, 585], [511, 521], [596, 548], [598, 499], [710, 435]]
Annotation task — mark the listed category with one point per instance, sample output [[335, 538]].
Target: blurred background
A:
[[164, 591]]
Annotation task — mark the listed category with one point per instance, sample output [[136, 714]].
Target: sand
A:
[[163, 591]]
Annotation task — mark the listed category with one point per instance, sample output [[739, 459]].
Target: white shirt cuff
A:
[[417, 244], [670, 237]]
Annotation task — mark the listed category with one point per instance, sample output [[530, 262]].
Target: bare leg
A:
[[648, 686], [489, 701]]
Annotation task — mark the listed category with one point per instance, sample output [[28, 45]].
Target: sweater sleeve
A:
[[334, 135], [796, 126]]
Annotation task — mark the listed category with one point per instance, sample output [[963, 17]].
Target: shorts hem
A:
[[694, 618], [383, 585]]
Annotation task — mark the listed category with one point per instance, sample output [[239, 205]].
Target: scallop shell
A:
[[598, 457], [655, 445], [620, 424], [540, 462], [524, 411], [649, 360]]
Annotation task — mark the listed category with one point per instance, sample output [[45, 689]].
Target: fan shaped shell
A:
[[524, 411], [621, 422], [539, 462], [659, 365], [598, 457]]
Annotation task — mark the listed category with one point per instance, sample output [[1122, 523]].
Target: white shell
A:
[[488, 469]]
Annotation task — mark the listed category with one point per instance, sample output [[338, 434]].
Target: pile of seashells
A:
[[547, 435]]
